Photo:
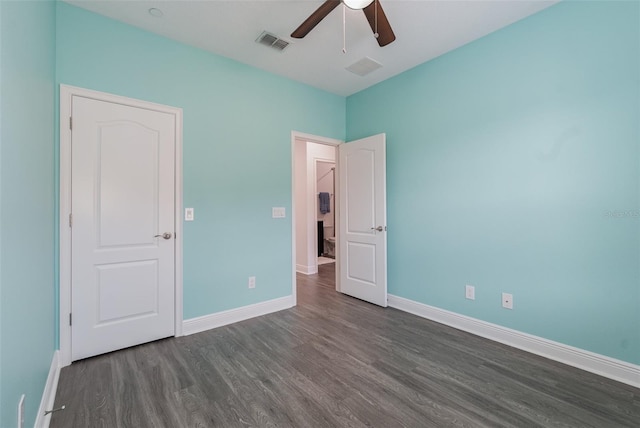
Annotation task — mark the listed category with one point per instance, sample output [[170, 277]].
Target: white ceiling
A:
[[424, 30]]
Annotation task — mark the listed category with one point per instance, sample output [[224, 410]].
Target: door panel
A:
[[127, 217], [122, 276], [362, 262], [359, 166], [127, 291], [363, 253]]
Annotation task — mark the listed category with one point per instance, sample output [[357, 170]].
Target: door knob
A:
[[166, 235], [379, 228]]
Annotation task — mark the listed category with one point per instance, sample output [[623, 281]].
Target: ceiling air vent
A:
[[363, 67], [272, 40]]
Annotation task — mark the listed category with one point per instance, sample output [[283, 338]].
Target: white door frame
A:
[[302, 138], [66, 94]]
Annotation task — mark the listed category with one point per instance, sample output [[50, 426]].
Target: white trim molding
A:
[[219, 319], [49, 393], [608, 367], [66, 95], [306, 270]]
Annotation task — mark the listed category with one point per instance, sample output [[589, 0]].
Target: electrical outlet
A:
[[21, 412], [278, 212], [507, 300], [252, 282], [470, 292]]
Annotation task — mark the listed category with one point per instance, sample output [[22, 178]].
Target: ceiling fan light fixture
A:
[[372, 9], [357, 4]]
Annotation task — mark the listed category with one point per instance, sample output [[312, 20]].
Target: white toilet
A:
[[330, 247]]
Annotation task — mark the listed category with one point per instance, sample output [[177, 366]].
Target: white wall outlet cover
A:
[[470, 292], [189, 214], [278, 212], [252, 282], [507, 300]]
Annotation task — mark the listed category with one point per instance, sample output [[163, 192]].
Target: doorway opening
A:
[[360, 213], [314, 208]]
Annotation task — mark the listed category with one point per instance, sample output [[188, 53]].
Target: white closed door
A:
[[122, 191], [363, 219]]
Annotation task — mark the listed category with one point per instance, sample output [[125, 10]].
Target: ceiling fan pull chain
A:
[[344, 28]]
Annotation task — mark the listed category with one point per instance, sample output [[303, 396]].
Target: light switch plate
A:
[[278, 212], [188, 214]]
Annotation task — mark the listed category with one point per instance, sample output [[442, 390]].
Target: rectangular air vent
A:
[[363, 67], [272, 41]]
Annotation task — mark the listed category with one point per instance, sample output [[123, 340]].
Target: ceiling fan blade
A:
[[385, 33], [315, 18]]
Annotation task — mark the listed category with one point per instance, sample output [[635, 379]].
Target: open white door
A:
[[363, 218]]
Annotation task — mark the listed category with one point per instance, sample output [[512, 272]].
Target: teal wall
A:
[[237, 148], [513, 165], [27, 39]]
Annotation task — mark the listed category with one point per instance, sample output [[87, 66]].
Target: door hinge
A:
[[70, 219], [70, 318], [70, 122]]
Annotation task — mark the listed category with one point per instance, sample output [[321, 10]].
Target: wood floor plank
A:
[[95, 407], [335, 361]]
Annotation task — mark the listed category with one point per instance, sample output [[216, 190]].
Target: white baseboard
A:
[[595, 363], [307, 270], [207, 322], [49, 393]]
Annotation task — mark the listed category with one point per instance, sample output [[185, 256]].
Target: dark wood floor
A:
[[335, 361]]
